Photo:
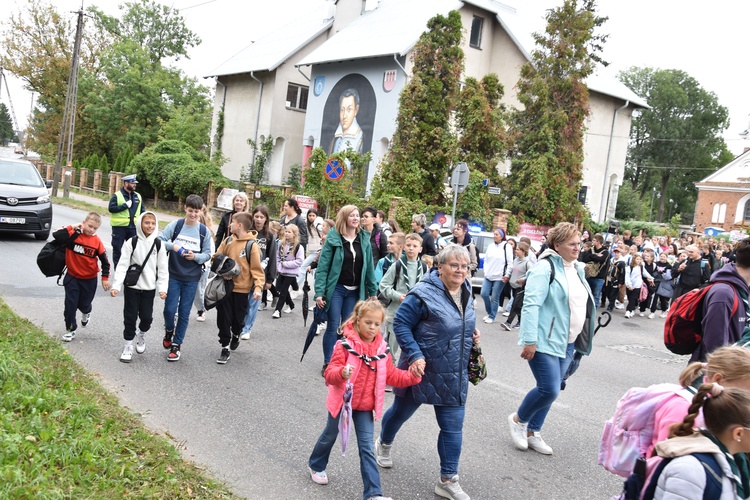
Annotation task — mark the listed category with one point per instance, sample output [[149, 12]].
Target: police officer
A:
[[125, 206]]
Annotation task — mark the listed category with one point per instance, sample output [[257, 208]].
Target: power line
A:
[[663, 140]]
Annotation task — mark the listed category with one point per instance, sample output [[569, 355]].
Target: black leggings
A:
[[633, 298], [283, 283]]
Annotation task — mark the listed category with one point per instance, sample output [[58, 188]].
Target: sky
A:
[[708, 43]]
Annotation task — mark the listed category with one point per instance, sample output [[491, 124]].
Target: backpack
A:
[[133, 273], [248, 246], [639, 486], [384, 301], [683, 331], [627, 436], [51, 258]]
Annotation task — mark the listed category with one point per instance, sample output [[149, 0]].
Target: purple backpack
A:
[[628, 434]]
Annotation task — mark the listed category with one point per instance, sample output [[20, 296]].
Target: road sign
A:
[[334, 169], [460, 177], [493, 190], [486, 182]]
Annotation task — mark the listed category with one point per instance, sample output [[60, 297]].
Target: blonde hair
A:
[[429, 260], [244, 198], [94, 217], [274, 227], [295, 239], [560, 234], [342, 216], [414, 237], [399, 238], [722, 409], [732, 362], [360, 309]]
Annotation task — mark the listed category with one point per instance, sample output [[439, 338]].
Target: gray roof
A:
[[272, 50], [394, 27]]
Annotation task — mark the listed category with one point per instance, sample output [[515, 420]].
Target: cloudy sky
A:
[[707, 40]]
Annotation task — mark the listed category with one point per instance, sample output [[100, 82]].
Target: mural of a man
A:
[[348, 134]]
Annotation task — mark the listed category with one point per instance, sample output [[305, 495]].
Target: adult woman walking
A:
[[435, 327], [345, 273], [240, 203], [378, 240], [292, 214], [314, 231], [558, 318]]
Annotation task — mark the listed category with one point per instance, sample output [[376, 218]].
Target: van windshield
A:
[[19, 174]]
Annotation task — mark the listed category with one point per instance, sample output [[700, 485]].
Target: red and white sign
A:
[[389, 80], [306, 202], [534, 233]]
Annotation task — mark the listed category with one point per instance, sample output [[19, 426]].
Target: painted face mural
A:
[[349, 115]]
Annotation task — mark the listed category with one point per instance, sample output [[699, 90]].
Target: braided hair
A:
[[722, 408]]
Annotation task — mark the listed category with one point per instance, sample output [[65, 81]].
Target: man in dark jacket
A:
[[125, 206], [720, 326], [692, 273], [418, 225], [599, 255]]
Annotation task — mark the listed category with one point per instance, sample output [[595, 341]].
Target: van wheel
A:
[[42, 236]]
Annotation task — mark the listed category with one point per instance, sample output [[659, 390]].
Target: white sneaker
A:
[[641, 314], [486, 316], [506, 313], [628, 314], [383, 454], [201, 316], [536, 443], [68, 336], [127, 353], [651, 316], [663, 314], [319, 477], [518, 432], [245, 336], [85, 318], [450, 489], [276, 315], [488, 320], [287, 310], [619, 305], [140, 342]]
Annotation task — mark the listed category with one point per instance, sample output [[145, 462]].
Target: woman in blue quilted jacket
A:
[[435, 328]]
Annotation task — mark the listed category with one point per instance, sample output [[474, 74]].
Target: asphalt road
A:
[[254, 421]]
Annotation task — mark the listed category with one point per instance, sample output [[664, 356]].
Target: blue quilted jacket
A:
[[429, 325]]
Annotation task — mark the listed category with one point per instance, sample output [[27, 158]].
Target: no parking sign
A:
[[334, 170]]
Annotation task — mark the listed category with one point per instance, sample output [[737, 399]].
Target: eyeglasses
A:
[[456, 267]]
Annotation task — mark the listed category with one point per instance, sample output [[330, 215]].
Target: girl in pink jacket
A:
[[362, 357]]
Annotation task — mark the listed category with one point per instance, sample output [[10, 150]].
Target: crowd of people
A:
[[399, 310]]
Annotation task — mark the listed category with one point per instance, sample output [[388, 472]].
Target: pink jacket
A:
[[369, 386], [672, 411]]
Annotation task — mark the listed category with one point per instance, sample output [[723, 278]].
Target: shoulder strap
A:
[[202, 230], [424, 267], [248, 246], [178, 228], [552, 267], [398, 270]]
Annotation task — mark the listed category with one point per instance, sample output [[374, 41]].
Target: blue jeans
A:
[[340, 308], [252, 313], [548, 371], [491, 291], [303, 270], [596, 286], [364, 426], [180, 296], [450, 419]]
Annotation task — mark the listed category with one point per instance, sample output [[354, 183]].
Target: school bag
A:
[[683, 331], [627, 436], [51, 258], [640, 486], [133, 273], [385, 301], [202, 230], [218, 288]]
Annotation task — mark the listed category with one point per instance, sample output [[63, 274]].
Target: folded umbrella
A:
[[345, 418], [305, 298], [319, 316]]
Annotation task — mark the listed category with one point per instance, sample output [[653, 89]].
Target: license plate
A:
[[13, 220]]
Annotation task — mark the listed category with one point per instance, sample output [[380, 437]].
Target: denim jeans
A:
[[364, 426], [180, 296], [303, 271], [491, 291], [200, 292], [450, 419], [340, 308], [252, 313], [548, 371], [596, 286]]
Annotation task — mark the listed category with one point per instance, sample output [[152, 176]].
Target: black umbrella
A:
[[305, 298], [319, 316], [603, 320]]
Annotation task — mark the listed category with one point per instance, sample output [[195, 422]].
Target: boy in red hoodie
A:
[[83, 248]]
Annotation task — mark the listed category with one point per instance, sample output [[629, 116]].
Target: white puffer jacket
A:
[[155, 275]]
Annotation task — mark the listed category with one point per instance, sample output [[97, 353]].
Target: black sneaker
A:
[[235, 342], [323, 371], [224, 357], [174, 353], [167, 342]]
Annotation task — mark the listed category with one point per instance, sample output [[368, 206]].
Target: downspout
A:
[[257, 114], [605, 184], [406, 75], [301, 73]]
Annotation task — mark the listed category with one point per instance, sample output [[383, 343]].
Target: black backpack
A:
[[51, 258]]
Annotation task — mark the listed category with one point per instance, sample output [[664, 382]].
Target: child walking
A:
[[230, 313], [139, 298], [361, 357], [288, 264], [634, 274], [395, 248], [517, 281], [664, 286], [81, 253]]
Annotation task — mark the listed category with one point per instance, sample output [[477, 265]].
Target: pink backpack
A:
[[628, 434]]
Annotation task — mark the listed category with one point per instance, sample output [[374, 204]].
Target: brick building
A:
[[724, 197]]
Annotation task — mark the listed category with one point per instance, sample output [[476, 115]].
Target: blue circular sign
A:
[[334, 169]]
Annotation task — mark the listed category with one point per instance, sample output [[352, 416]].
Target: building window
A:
[[475, 40], [722, 213], [746, 217], [715, 214], [296, 96]]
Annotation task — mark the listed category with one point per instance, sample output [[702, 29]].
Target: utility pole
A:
[[67, 128]]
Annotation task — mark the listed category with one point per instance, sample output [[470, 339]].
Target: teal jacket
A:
[[545, 317], [330, 262]]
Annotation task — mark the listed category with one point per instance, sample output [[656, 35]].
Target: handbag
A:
[[133, 274], [477, 365], [591, 269], [643, 295]]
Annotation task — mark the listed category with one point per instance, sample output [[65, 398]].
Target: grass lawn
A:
[[64, 436], [88, 207]]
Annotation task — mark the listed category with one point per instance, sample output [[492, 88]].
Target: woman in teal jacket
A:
[[345, 273], [557, 319]]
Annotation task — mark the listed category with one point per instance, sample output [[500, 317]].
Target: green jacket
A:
[[329, 267]]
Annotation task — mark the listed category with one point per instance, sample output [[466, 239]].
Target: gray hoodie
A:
[[155, 275]]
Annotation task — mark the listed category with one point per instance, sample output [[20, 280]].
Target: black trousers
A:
[[230, 316], [79, 294], [283, 283], [139, 304], [119, 235], [515, 309]]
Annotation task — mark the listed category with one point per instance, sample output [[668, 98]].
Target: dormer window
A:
[[475, 40]]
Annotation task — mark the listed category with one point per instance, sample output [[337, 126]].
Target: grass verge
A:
[[88, 207], [64, 436]]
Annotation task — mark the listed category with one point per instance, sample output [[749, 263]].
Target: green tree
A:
[[677, 141], [189, 123], [255, 172], [334, 194], [547, 134], [424, 147], [294, 177], [7, 133]]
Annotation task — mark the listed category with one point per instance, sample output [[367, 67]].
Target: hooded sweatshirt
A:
[[155, 275], [720, 326], [369, 386], [252, 276]]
